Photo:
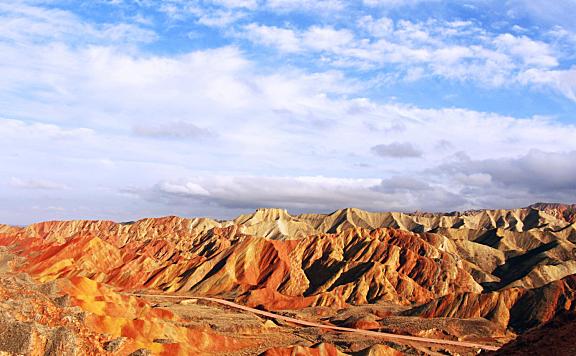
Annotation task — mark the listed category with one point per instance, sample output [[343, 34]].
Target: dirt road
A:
[[324, 326]]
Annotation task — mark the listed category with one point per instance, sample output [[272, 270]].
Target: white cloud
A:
[[78, 103], [564, 81], [288, 40], [529, 51], [186, 189], [381, 27], [326, 38], [22, 23], [220, 18], [308, 193], [512, 182], [453, 54], [471, 184], [211, 13], [249, 4], [410, 51], [282, 38], [306, 5], [395, 3], [532, 171]]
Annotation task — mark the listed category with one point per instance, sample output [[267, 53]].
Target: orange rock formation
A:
[[515, 268]]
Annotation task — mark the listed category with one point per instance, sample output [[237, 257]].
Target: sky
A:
[[125, 109]]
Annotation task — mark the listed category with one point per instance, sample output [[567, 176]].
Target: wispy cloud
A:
[[395, 3], [306, 5], [22, 23], [419, 50]]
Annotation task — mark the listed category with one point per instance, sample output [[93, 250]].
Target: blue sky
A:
[[124, 109]]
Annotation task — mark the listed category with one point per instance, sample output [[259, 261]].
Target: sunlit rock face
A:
[[355, 265]]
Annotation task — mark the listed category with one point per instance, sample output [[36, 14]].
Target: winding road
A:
[[323, 326]]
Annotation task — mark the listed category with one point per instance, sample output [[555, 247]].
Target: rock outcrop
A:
[[517, 308]]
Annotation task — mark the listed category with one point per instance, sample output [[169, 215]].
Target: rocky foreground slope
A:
[[501, 271]]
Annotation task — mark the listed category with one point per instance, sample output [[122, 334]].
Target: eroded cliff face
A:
[[354, 266], [349, 256], [517, 308], [514, 268], [562, 211], [36, 321], [79, 316], [145, 326]]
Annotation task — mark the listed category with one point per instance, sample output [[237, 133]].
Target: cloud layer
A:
[[113, 120]]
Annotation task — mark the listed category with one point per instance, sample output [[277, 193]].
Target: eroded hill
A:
[[500, 271]]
